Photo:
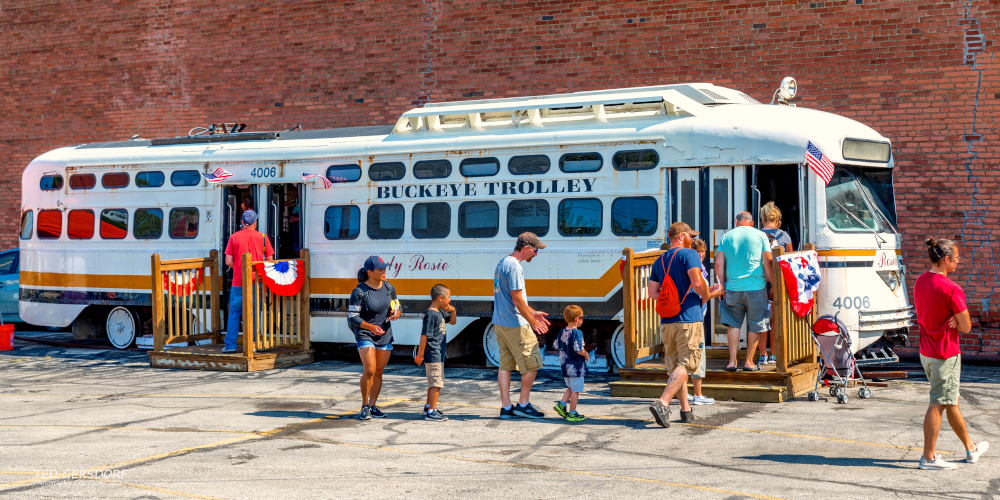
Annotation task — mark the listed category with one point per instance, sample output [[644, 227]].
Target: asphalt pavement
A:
[[91, 423]]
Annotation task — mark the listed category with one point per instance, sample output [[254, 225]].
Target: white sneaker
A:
[[675, 401], [702, 400], [936, 464], [972, 456]]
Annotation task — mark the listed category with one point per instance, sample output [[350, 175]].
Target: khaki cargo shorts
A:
[[435, 374], [943, 374], [518, 349], [683, 345]]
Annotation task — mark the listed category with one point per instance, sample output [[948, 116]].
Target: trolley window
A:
[[478, 219], [115, 180], [50, 183], [148, 224], [342, 222], [185, 178], [149, 179], [343, 173], [388, 171], [49, 224], [385, 222], [644, 159], [634, 216], [82, 181], [80, 224], [580, 217], [479, 167], [432, 169], [581, 162], [27, 224], [114, 223], [528, 215], [530, 164], [431, 220], [183, 223]]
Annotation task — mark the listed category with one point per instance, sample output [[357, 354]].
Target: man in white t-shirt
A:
[[515, 324]]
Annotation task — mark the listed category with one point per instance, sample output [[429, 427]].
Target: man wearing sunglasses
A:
[[515, 324]]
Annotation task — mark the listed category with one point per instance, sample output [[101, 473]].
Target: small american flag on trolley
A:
[[326, 182], [819, 163], [219, 175]]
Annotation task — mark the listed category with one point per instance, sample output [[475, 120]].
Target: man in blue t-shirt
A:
[[682, 335]]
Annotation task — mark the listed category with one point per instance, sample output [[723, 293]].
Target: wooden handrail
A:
[[793, 334], [186, 312], [641, 323], [278, 321]]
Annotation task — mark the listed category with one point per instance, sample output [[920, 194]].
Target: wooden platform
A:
[[648, 379], [210, 357]]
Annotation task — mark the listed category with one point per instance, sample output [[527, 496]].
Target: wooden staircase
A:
[[647, 380], [793, 375]]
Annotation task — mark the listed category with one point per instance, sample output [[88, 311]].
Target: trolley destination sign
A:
[[493, 188]]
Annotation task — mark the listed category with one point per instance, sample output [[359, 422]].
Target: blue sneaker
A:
[[377, 412], [366, 413], [527, 411], [507, 414], [761, 360], [771, 360], [228, 350]]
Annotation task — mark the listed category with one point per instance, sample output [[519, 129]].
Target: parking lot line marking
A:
[[158, 490], [545, 468], [117, 428], [416, 400], [224, 442]]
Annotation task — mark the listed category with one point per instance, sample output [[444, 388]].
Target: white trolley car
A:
[[442, 194]]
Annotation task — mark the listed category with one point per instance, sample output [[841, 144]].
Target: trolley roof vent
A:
[[221, 132], [596, 106]]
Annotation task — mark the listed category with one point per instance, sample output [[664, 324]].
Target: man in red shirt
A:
[[247, 240], [942, 313]]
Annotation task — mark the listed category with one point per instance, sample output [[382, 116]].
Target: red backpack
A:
[[668, 304]]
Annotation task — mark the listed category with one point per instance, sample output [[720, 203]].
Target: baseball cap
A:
[[529, 240], [249, 217], [678, 228], [375, 262]]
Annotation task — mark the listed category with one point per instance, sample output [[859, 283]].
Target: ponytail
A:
[[939, 248], [362, 275]]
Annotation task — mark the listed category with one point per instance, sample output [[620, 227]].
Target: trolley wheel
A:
[[833, 391], [813, 396], [864, 393], [842, 398], [490, 347], [122, 327]]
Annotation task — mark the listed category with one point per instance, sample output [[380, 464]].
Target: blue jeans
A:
[[235, 315]]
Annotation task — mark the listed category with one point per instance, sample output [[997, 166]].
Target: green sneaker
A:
[[573, 416], [560, 408]]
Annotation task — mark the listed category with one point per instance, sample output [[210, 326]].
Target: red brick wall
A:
[[921, 73]]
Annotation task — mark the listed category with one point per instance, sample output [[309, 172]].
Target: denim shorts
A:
[[367, 343]]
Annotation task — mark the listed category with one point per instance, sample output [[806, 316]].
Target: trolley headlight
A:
[[890, 278]]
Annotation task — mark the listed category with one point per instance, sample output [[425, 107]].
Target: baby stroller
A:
[[834, 342]]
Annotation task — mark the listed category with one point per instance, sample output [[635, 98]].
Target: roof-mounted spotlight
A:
[[786, 91]]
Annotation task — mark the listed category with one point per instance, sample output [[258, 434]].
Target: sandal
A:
[[731, 368], [750, 369]]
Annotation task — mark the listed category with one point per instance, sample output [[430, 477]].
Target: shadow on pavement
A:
[[821, 460]]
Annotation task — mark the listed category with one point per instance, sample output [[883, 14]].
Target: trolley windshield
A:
[[861, 200]]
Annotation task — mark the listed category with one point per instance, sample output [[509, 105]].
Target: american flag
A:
[[819, 163], [326, 182], [218, 176]]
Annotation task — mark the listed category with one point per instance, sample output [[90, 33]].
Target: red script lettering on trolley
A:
[[416, 263], [885, 260]]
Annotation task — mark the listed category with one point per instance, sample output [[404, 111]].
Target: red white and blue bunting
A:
[[801, 274], [284, 277], [182, 283]]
